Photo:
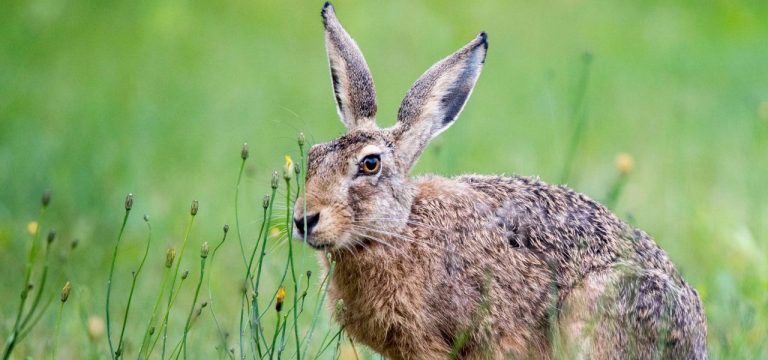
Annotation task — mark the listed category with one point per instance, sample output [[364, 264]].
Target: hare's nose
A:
[[312, 220]]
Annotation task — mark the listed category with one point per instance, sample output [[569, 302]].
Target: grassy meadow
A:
[[99, 99]]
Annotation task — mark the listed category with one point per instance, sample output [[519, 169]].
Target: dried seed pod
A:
[[65, 292], [193, 209], [170, 254]]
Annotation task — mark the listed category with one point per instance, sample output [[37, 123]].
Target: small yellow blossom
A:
[[32, 228], [625, 163], [279, 299], [288, 168]]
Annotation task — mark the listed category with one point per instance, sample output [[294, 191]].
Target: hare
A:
[[475, 266]]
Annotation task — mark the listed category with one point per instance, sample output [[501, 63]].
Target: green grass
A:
[[99, 99]]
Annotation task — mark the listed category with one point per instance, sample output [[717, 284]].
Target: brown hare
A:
[[475, 266]]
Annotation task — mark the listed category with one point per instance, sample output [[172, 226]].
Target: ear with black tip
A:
[[435, 101], [352, 81]]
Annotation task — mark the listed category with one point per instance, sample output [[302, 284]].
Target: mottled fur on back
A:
[[476, 266]]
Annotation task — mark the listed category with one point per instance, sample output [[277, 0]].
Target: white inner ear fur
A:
[[368, 150]]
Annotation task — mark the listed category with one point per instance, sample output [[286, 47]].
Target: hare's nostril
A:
[[312, 220]]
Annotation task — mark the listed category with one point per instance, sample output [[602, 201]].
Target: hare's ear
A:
[[434, 102], [352, 81]]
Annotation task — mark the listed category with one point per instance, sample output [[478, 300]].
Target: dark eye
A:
[[370, 165]]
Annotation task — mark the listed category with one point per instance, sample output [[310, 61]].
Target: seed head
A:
[[51, 236], [170, 254], [301, 139], [194, 207], [265, 201], [204, 250], [279, 299], [244, 152], [128, 202], [226, 228], [32, 228], [288, 168], [275, 180], [65, 292], [46, 198], [624, 163], [184, 275]]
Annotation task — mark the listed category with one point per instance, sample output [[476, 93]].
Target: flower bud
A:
[[194, 207], [146, 218], [279, 299], [301, 139], [51, 236], [226, 228], [46, 198], [152, 331], [184, 275], [244, 151], [74, 244], [265, 201], [65, 292], [204, 250], [309, 274], [128, 202], [288, 168], [170, 254], [275, 180]]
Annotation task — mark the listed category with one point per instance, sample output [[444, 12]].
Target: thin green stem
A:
[[109, 285], [257, 281], [164, 320], [133, 287], [42, 282], [289, 228], [56, 333], [210, 295], [192, 308], [237, 215], [171, 295], [579, 116], [147, 336], [31, 254], [23, 334], [316, 315]]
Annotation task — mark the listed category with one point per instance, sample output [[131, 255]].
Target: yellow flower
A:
[[32, 228], [279, 299], [288, 168], [625, 163]]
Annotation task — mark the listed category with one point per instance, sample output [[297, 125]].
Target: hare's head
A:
[[358, 188]]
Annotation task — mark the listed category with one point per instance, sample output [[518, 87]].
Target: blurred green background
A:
[[102, 98]]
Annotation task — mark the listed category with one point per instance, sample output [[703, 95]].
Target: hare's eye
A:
[[370, 165]]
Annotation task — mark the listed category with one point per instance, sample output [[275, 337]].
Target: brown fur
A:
[[510, 266]]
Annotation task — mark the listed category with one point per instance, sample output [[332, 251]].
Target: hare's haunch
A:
[[476, 266]]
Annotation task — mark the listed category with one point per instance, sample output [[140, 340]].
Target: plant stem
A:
[[14, 338], [109, 284], [192, 309], [579, 116], [133, 287], [171, 295], [56, 334], [237, 216]]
